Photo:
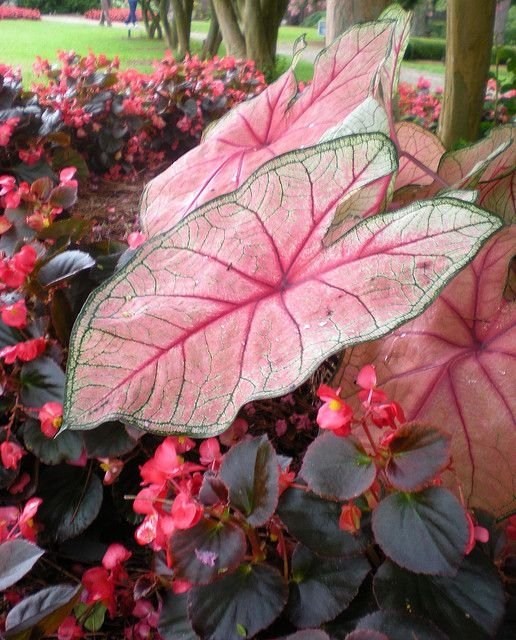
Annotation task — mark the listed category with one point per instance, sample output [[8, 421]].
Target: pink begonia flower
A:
[[144, 500], [136, 239], [185, 512], [14, 271], [31, 155], [386, 415], [28, 528], [8, 518], [51, 417], [112, 468], [349, 519], [66, 177], [367, 377], [25, 260], [24, 351], [334, 415], [69, 629], [116, 554], [146, 532], [235, 432], [183, 443], [210, 454], [15, 315], [99, 587], [180, 586], [20, 484], [163, 465], [11, 454], [476, 534]]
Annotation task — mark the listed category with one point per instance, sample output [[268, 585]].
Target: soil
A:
[[113, 206]]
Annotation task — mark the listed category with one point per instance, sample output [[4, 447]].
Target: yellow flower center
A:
[[335, 405]]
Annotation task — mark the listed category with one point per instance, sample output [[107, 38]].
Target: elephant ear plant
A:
[[265, 258]]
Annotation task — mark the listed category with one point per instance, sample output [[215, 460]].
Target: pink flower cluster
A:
[[304, 8], [171, 486], [337, 416], [16, 523], [146, 118], [419, 103], [8, 12], [115, 15]]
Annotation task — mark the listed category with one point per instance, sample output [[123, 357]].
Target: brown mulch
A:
[[113, 206]]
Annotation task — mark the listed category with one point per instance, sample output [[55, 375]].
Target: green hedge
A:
[[61, 6], [435, 49], [313, 19], [426, 49]]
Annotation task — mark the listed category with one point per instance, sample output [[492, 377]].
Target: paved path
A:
[[309, 54]]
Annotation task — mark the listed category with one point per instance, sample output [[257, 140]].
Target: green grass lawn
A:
[[21, 41], [287, 35]]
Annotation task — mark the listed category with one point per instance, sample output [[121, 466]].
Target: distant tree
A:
[[341, 14], [249, 28]]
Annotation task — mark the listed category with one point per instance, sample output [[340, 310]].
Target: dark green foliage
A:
[[60, 6], [426, 49]]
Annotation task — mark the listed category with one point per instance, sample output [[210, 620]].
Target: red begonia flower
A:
[[15, 315]]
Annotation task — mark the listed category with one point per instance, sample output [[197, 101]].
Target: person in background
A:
[[131, 19], [104, 12]]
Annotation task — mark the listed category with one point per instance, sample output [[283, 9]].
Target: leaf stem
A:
[[441, 181]]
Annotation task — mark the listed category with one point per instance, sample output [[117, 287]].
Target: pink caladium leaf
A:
[[499, 196], [389, 73], [487, 166], [420, 150], [276, 121], [454, 367], [242, 300]]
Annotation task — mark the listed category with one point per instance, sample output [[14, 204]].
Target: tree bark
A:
[[169, 29], [342, 14], [257, 42], [469, 41], [183, 20], [230, 29], [214, 38], [502, 13], [151, 20]]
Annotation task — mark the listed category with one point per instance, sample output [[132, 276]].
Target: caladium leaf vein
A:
[[243, 300]]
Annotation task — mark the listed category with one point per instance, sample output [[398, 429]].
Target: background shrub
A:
[[426, 49], [60, 6]]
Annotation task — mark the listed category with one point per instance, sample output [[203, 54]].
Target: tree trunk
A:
[[469, 41], [273, 12], [230, 29], [257, 42], [214, 38], [342, 14], [169, 29], [151, 20], [419, 20], [502, 14], [183, 20]]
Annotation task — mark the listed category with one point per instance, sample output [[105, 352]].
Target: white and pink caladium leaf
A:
[[420, 151], [487, 166], [454, 367], [243, 299], [389, 72], [276, 121]]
